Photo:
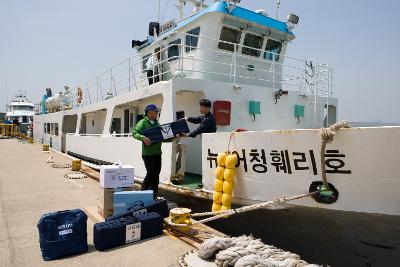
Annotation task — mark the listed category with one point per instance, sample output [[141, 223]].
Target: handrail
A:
[[129, 74]]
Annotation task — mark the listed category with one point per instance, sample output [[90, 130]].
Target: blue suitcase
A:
[[123, 200], [62, 234], [126, 230], [159, 206], [166, 131]]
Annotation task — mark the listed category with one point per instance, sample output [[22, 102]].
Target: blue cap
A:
[[151, 107]]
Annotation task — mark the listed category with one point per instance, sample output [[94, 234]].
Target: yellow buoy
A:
[[217, 197], [227, 187], [221, 159], [219, 172], [216, 207], [218, 185], [229, 175], [226, 200], [231, 161]]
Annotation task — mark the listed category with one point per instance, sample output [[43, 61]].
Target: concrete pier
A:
[[30, 187]]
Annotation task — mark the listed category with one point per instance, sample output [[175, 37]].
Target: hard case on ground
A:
[[159, 206], [118, 232]]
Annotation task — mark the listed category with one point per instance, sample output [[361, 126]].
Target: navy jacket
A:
[[207, 124]]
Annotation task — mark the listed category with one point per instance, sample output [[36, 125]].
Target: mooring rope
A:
[[220, 214], [327, 135]]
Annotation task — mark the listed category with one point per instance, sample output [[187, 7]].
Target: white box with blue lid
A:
[[115, 176], [123, 200]]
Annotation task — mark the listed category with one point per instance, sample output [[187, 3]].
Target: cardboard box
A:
[[106, 198], [116, 176], [126, 199]]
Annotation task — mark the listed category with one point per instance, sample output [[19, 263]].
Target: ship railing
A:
[[309, 77], [99, 135]]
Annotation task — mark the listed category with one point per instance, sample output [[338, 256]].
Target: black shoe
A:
[[199, 186]]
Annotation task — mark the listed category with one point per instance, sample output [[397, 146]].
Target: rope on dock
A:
[[75, 175], [246, 251], [220, 214], [61, 166]]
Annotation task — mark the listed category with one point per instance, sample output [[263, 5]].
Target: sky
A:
[[50, 43]]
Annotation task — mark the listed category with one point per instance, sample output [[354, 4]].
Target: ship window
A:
[[56, 129], [229, 37], [173, 50], [192, 39], [24, 119], [145, 58], [252, 40], [44, 128], [48, 128], [272, 50], [131, 120]]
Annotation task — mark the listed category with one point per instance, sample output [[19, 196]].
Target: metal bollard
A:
[[76, 165]]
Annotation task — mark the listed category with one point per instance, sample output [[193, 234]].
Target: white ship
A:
[[237, 58], [21, 109]]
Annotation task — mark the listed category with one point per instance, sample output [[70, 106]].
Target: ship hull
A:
[[323, 236]]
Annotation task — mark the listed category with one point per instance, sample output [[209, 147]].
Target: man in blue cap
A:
[[151, 152]]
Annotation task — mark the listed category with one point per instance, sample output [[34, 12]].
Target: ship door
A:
[[126, 121], [116, 125]]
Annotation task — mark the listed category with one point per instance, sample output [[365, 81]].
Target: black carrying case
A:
[[125, 230]]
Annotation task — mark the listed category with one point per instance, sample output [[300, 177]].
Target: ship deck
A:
[[29, 187]]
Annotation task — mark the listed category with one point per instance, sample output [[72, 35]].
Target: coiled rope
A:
[[68, 175], [61, 166], [246, 251], [75, 175]]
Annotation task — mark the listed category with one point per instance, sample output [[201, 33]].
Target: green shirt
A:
[[154, 148]]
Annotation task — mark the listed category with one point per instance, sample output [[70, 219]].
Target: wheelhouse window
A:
[[173, 50], [272, 50], [192, 39], [254, 41], [228, 38]]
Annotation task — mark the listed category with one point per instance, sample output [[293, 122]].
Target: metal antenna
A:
[[159, 10], [278, 5]]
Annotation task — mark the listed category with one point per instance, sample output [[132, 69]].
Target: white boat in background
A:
[[21, 109], [237, 58]]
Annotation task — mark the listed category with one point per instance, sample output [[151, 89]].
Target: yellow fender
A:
[[224, 183]]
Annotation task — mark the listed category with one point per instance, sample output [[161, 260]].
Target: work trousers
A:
[[153, 168]]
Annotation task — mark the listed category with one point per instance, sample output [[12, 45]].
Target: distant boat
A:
[[21, 109]]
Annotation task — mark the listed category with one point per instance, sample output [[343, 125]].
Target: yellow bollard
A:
[[30, 140], [181, 216], [46, 148], [76, 165]]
